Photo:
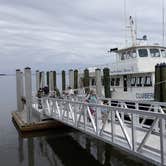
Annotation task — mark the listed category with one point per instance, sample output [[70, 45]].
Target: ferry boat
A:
[[133, 73]]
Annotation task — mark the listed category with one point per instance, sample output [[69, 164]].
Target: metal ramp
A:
[[108, 124]]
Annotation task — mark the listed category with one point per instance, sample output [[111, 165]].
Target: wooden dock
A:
[[20, 119]]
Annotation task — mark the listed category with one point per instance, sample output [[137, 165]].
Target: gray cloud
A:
[[44, 34]]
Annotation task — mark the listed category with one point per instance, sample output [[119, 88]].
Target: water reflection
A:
[[70, 148]]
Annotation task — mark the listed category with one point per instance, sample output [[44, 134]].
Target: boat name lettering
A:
[[144, 95]]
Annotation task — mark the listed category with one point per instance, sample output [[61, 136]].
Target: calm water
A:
[[59, 147]]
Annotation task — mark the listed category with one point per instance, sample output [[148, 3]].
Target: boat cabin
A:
[[132, 74]]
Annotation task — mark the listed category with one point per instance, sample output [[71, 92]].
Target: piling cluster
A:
[[160, 82]]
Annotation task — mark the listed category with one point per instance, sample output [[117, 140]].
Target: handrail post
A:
[[163, 141], [136, 118], [113, 125], [28, 93], [97, 120], [134, 127]]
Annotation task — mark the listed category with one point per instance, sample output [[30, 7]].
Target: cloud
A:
[[44, 34]]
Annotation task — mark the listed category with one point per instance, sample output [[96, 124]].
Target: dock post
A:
[[51, 83], [98, 82], [54, 79], [28, 93], [71, 78], [47, 78], [37, 80], [63, 81], [42, 79], [163, 82], [76, 79], [86, 80], [19, 87], [106, 77]]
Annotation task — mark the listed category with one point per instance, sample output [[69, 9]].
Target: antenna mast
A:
[[125, 22], [163, 24], [132, 30]]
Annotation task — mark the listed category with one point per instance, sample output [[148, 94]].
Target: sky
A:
[[63, 34]]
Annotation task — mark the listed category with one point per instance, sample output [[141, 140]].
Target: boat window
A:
[[112, 81], [143, 52], [117, 82], [154, 53], [133, 81], [163, 53], [148, 81], [139, 81]]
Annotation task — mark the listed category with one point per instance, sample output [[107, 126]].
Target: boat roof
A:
[[138, 46]]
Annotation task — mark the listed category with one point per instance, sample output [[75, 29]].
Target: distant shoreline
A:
[[2, 74]]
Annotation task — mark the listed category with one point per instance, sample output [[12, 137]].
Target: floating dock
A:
[[35, 124]]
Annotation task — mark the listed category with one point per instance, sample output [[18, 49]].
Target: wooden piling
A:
[[163, 82], [98, 82], [37, 80], [19, 88], [75, 79], [47, 75], [63, 81], [54, 79], [86, 80], [71, 78], [157, 87], [28, 92], [106, 79], [51, 82], [42, 79]]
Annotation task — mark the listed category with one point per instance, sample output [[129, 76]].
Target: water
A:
[[58, 147]]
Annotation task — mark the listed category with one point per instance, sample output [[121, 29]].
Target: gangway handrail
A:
[[78, 115]]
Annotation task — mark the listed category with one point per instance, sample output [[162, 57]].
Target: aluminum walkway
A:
[[118, 125]]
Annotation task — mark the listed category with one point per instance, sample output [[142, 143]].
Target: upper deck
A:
[[137, 59]]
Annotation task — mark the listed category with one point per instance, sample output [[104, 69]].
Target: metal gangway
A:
[[120, 123]]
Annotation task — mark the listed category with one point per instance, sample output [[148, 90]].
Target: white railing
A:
[[107, 123]]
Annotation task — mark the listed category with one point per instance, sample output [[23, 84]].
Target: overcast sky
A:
[[50, 34]]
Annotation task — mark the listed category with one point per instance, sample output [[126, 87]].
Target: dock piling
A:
[[98, 82], [28, 93], [37, 80], [42, 84], [106, 77], [51, 82], [86, 80], [75, 79], [19, 87], [63, 81], [71, 78]]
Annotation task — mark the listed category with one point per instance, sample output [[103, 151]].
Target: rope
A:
[[161, 82]]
